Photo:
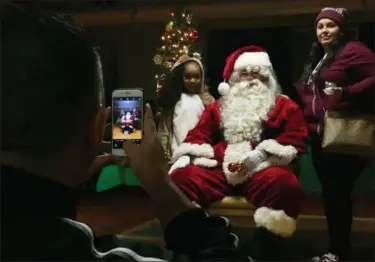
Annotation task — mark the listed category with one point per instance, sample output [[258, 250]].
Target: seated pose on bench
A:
[[127, 123], [245, 141]]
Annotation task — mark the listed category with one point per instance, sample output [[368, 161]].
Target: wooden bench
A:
[[238, 208], [241, 211]]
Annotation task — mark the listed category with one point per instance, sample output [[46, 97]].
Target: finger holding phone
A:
[[150, 166]]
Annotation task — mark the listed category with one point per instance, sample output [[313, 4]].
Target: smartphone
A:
[[127, 118]]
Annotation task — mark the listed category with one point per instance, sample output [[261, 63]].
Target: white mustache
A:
[[248, 84], [245, 88], [244, 84]]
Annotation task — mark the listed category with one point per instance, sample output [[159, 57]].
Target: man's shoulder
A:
[[213, 106], [42, 238], [283, 101], [214, 103]]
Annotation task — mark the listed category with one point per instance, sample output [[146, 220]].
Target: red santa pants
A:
[[275, 191]]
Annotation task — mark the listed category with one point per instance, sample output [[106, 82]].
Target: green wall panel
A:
[[113, 176]]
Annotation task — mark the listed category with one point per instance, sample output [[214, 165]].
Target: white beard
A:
[[245, 108]]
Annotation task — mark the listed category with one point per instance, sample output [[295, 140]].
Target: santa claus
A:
[[245, 142], [127, 123]]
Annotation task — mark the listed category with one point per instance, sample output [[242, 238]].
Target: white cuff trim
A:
[[276, 221], [271, 146], [205, 162], [203, 150]]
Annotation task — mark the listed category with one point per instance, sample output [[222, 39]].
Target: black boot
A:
[[267, 246]]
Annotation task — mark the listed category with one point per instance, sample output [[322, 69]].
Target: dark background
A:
[[276, 42]]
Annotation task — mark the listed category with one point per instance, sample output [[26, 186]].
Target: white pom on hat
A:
[[224, 88]]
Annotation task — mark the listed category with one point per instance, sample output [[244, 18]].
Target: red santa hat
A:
[[242, 58]]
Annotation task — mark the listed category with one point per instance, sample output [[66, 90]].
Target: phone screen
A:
[[127, 120]]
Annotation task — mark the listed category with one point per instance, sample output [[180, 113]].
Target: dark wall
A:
[[223, 42], [127, 52], [366, 34], [287, 47]]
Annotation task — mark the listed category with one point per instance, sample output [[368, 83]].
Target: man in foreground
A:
[[245, 142], [52, 127]]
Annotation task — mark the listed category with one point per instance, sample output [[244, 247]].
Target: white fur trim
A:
[[181, 162], [284, 96], [252, 59], [271, 161], [205, 162], [234, 153], [186, 115], [223, 88], [275, 221], [202, 150], [285, 152]]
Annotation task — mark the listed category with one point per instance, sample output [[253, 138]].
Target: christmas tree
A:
[[179, 38]]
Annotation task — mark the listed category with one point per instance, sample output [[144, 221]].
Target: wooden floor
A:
[[123, 208], [118, 134]]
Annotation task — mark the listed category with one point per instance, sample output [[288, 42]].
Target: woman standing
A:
[[339, 74], [181, 102]]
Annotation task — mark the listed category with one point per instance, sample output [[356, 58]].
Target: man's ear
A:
[[97, 127]]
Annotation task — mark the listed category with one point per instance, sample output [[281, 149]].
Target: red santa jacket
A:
[[127, 122], [283, 138]]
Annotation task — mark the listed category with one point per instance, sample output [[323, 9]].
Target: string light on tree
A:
[[179, 37]]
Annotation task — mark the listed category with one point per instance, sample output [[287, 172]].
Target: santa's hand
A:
[[182, 162], [253, 159]]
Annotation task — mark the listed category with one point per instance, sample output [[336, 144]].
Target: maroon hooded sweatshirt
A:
[[353, 69]]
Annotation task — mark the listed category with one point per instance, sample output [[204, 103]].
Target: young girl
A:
[[181, 102]]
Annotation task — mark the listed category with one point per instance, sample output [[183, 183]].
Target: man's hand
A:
[[107, 159], [102, 161], [253, 159], [150, 166], [181, 162], [147, 159]]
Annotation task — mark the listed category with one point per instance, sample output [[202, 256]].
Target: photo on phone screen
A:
[[127, 120]]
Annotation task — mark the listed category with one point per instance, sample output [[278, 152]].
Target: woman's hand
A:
[[333, 95], [334, 92]]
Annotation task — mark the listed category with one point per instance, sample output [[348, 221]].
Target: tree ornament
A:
[[158, 59]]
